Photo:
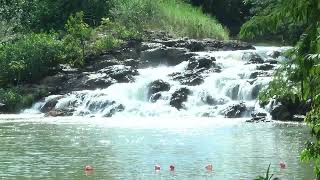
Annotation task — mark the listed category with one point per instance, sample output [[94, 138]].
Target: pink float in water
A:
[[282, 165], [209, 167], [171, 167], [88, 168], [157, 167]]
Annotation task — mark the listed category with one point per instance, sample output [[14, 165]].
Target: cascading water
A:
[[237, 82]]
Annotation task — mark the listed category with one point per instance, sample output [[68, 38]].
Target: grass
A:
[[183, 19], [173, 16]]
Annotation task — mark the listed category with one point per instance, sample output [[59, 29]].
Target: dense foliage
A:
[[300, 75], [231, 13]]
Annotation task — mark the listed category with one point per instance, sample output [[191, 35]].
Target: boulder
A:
[[274, 54], [210, 100], [165, 55], [265, 67], [155, 97], [298, 118], [115, 109], [199, 62], [50, 103], [190, 78], [235, 111], [252, 58], [280, 112], [158, 86], [178, 97], [271, 61], [121, 73]]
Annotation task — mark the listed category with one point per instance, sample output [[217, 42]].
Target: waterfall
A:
[[237, 82]]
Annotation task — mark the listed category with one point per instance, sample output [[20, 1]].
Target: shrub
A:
[[29, 58], [77, 38], [15, 100]]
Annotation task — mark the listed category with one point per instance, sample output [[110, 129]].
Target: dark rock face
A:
[[274, 54], [197, 69], [258, 117], [114, 109], [265, 67], [121, 74], [235, 111], [2, 108], [155, 97], [280, 112], [271, 61], [158, 86], [50, 104], [253, 58], [206, 44], [178, 97], [286, 109], [165, 55]]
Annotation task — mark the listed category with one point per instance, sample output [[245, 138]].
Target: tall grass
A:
[[183, 19], [174, 16]]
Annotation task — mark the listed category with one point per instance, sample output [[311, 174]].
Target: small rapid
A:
[[237, 82]]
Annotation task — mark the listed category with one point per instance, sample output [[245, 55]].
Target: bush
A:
[[29, 58], [77, 39], [14, 100]]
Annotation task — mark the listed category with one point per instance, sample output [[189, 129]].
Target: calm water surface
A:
[[59, 148]]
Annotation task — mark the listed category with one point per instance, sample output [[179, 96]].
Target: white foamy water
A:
[[230, 86]]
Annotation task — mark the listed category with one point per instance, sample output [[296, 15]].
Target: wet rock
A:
[[121, 73], [99, 82], [257, 74], [298, 118], [178, 97], [271, 61], [199, 62], [165, 55], [158, 86], [115, 109], [2, 108], [235, 111], [155, 97], [50, 104], [189, 78], [284, 109], [280, 112], [132, 62], [210, 100], [258, 117], [274, 54], [265, 67], [252, 58], [58, 112]]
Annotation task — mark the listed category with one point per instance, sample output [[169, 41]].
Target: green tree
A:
[[303, 70], [77, 37]]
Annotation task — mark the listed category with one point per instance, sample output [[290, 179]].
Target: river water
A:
[[145, 133], [38, 148]]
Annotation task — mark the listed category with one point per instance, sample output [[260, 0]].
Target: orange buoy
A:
[[209, 167], [157, 167], [88, 168], [171, 167]]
